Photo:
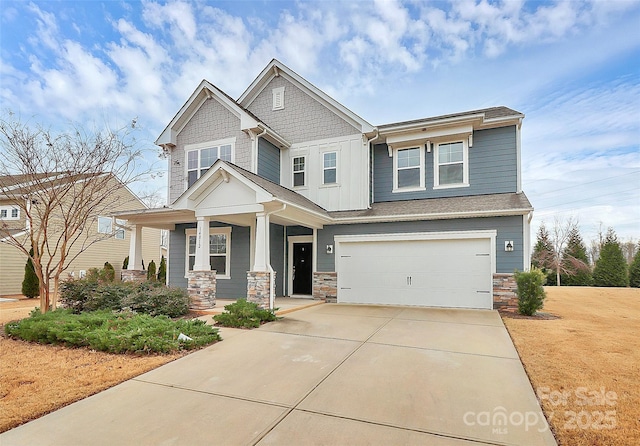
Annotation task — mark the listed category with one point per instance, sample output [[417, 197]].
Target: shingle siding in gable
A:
[[210, 123], [302, 119], [492, 168], [268, 161]]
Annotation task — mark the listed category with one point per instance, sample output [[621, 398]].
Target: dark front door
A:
[[302, 268]]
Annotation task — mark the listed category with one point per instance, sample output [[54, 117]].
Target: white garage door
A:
[[439, 273]]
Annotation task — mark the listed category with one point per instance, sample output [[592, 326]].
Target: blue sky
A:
[[573, 68]]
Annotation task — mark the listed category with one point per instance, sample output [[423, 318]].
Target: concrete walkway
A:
[[329, 374]]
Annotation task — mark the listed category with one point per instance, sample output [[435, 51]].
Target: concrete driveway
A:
[[331, 374]]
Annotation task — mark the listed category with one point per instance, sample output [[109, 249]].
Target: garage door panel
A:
[[445, 273]]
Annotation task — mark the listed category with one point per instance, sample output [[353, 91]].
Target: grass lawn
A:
[[585, 364]]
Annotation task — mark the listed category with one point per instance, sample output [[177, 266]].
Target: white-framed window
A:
[[278, 98], [408, 169], [329, 168], [219, 251], [106, 226], [202, 156], [451, 164], [299, 171], [9, 213]]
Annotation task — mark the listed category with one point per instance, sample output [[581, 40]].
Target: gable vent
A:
[[278, 98]]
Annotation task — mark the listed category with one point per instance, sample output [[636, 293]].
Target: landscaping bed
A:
[[583, 360]]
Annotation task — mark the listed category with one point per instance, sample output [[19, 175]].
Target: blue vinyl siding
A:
[[233, 288], [492, 168], [268, 161], [509, 228], [276, 247], [236, 287]]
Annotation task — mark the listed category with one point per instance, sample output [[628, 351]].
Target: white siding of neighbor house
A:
[[211, 122], [351, 190]]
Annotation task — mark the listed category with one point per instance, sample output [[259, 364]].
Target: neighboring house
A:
[[113, 249], [287, 180]]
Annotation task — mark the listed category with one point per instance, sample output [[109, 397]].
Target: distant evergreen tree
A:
[[634, 270], [575, 262], [542, 257], [109, 273], [151, 271], [162, 271], [30, 283], [611, 267]]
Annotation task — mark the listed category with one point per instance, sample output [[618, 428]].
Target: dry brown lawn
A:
[[585, 364], [37, 379]]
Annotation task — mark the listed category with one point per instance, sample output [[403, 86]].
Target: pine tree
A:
[[611, 267], [542, 257], [151, 271], [575, 263], [634, 270], [30, 283], [162, 271]]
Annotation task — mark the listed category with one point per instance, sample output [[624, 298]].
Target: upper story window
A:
[[9, 213], [299, 171], [105, 226], [202, 156], [219, 251], [451, 165], [408, 167], [278, 98], [329, 167]]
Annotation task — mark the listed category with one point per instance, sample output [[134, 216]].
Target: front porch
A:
[[234, 234]]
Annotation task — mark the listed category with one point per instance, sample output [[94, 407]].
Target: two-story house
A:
[[105, 239], [285, 191]]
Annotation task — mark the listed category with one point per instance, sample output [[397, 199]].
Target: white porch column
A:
[[261, 243], [135, 249], [202, 262]]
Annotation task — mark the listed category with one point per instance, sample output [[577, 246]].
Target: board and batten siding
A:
[[268, 161], [212, 122], [509, 228], [351, 189], [492, 168]]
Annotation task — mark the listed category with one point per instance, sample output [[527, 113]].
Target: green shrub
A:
[[75, 293], [30, 283], [162, 270], [108, 273], [155, 300], [124, 332], [125, 263], [634, 271], [243, 314], [531, 295], [148, 297], [151, 271]]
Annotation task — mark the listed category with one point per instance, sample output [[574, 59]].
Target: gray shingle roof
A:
[[439, 207], [280, 192], [489, 113]]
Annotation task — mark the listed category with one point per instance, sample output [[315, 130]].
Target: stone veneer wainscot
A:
[[201, 286]]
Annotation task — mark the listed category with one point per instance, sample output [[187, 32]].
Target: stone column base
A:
[[132, 275], [325, 286], [505, 295], [201, 286], [258, 287]]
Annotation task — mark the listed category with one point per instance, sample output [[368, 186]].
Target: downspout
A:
[[369, 173], [272, 284]]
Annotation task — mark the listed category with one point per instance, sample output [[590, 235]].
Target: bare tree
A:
[[549, 250], [629, 249], [62, 183]]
